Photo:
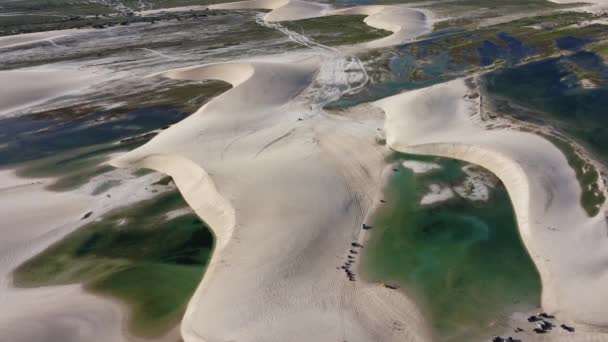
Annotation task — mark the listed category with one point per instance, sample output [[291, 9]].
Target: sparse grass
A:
[[28, 23], [337, 30], [142, 172], [187, 96], [592, 198], [135, 255]]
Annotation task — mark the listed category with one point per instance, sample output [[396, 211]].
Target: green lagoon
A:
[[135, 254], [463, 260]]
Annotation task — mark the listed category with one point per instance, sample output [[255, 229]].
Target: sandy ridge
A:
[[567, 246], [251, 169]]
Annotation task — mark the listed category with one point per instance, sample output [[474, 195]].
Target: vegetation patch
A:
[[337, 29], [133, 254], [457, 51], [592, 197], [553, 91]]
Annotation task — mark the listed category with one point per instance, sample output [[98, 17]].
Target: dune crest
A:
[[568, 247], [252, 163]]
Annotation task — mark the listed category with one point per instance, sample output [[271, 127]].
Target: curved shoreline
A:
[[201, 195], [541, 184]]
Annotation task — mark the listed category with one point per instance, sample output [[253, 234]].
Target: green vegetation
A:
[[592, 198], [133, 254], [601, 49], [492, 8], [463, 261], [464, 48], [185, 96], [337, 30], [142, 172]]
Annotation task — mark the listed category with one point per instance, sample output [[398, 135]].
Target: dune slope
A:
[[568, 247], [286, 192]]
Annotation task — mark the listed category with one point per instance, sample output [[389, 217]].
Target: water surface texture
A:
[[463, 260], [136, 254], [552, 91], [31, 137]]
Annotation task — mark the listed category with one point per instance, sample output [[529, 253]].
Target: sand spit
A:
[[569, 248], [286, 192], [405, 23]]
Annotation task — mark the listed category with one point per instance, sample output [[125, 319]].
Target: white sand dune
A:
[[34, 86], [405, 23], [285, 198], [61, 313], [569, 248], [281, 10]]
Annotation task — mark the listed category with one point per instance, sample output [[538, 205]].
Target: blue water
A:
[[552, 90], [427, 62], [513, 52], [33, 137], [571, 43]]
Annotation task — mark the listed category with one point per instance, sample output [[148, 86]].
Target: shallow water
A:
[[462, 260], [551, 91], [129, 247], [33, 137]]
